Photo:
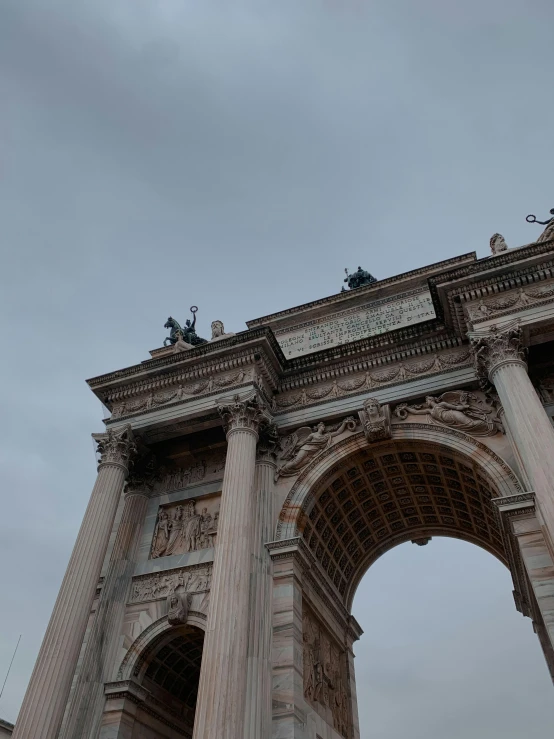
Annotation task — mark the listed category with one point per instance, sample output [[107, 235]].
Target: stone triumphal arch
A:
[[246, 483]]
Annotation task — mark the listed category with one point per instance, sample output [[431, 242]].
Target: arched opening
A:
[[402, 491], [360, 501], [169, 674], [444, 652]]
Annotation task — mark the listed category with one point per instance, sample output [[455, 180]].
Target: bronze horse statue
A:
[[186, 333]]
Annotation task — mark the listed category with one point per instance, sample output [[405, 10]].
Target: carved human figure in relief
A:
[[457, 410], [305, 444], [192, 529], [177, 608], [176, 531], [161, 534]]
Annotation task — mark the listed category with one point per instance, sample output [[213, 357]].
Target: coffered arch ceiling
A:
[[395, 492]]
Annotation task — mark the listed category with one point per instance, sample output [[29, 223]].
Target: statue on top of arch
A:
[[359, 278]]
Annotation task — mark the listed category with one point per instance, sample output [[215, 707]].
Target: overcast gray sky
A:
[[238, 155]]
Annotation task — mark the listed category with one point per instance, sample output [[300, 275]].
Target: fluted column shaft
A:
[[258, 681], [221, 700], [43, 707], [500, 355], [83, 717]]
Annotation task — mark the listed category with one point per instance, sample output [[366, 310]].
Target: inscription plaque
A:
[[374, 318]]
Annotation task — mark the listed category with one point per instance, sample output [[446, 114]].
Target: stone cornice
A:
[[488, 276], [223, 355], [345, 297]]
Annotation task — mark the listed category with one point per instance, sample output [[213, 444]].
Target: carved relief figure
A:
[[302, 446], [323, 668], [457, 410], [161, 533], [183, 530], [163, 585], [176, 529], [177, 608], [375, 420]]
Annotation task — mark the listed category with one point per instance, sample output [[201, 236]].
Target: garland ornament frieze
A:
[[496, 347], [457, 409], [305, 444], [181, 392], [243, 414], [116, 447], [372, 379], [376, 420], [513, 300]]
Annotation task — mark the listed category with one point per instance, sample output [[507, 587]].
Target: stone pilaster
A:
[[258, 681], [87, 701], [289, 714], [221, 704], [43, 707], [500, 358]]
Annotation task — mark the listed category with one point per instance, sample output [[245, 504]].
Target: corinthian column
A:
[[87, 700], [258, 677], [43, 707], [221, 703], [500, 357]]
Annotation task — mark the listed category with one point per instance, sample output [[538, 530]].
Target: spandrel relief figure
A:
[[302, 446], [458, 410]]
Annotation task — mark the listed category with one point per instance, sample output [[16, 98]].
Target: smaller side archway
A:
[[157, 688]]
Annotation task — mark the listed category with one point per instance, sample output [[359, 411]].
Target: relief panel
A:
[[324, 669], [185, 527]]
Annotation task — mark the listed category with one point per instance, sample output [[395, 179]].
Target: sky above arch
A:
[[238, 156]]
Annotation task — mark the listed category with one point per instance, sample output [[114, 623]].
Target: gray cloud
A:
[[239, 156]]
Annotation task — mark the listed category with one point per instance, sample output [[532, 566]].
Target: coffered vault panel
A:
[[392, 494]]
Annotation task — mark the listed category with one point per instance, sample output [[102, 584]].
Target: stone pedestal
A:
[[221, 704], [44, 704], [500, 356], [258, 683], [87, 701]]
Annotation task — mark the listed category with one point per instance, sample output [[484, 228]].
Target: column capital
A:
[[243, 414], [116, 447], [498, 346], [269, 444]]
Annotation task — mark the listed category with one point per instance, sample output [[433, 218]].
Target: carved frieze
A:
[[324, 670], [375, 420], [372, 379], [302, 446], [147, 401], [180, 528], [160, 585], [457, 409], [511, 300]]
